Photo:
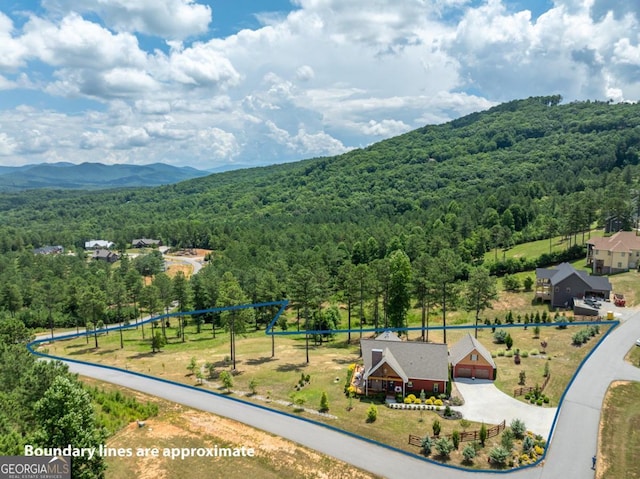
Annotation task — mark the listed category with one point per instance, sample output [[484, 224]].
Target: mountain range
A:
[[64, 175]]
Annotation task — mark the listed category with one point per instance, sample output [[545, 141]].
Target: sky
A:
[[213, 83]]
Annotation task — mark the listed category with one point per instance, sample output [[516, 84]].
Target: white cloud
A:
[[385, 128], [164, 18], [11, 51]]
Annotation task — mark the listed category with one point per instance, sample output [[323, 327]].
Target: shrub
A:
[[524, 354], [508, 354], [436, 427], [508, 341], [482, 434], [455, 438], [499, 455], [527, 444], [417, 401], [500, 352], [499, 336], [411, 398], [227, 380], [444, 447], [546, 369], [372, 413], [545, 399], [539, 402], [538, 450], [324, 402], [534, 352], [427, 444], [429, 402], [518, 428], [522, 378], [438, 402], [469, 452], [507, 439]]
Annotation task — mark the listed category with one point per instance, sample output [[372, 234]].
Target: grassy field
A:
[[533, 249], [276, 379], [619, 441]]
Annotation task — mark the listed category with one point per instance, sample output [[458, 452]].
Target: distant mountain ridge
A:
[[91, 176]]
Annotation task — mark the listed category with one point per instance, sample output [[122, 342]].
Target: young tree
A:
[[469, 452], [425, 288], [372, 413], [482, 434], [235, 320], [157, 342], [399, 288], [324, 402], [444, 447], [448, 265], [227, 380], [480, 292], [182, 295]]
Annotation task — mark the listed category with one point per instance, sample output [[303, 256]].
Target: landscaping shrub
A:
[[527, 444], [455, 438], [524, 354], [469, 452], [438, 402], [436, 427], [507, 439], [372, 413], [482, 434], [508, 354], [324, 402], [518, 428], [499, 336], [427, 444], [499, 455], [534, 352], [444, 447], [500, 352]]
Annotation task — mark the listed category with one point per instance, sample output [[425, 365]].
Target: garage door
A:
[[463, 372], [482, 373]]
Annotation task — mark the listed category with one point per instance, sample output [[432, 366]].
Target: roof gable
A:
[[466, 346]]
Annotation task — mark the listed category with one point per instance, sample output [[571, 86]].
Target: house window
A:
[[557, 289], [474, 357], [619, 265], [568, 290], [435, 387], [622, 254], [410, 385], [608, 253]]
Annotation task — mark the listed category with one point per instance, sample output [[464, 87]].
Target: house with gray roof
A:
[[395, 366], [562, 284], [470, 359]]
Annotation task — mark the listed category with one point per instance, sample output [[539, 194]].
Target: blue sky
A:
[[254, 82]]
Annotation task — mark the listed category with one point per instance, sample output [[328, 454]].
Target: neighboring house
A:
[[614, 254], [49, 250], [560, 285], [395, 366], [145, 243], [105, 255], [470, 359], [95, 244]]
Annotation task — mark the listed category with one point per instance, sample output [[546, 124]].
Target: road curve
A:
[[569, 457]]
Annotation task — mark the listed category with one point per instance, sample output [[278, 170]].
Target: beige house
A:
[[614, 254]]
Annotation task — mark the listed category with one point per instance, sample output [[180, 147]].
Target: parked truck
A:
[[618, 299]]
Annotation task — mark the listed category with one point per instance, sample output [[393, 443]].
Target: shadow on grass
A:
[[86, 350], [258, 361], [285, 368], [143, 355], [107, 351]]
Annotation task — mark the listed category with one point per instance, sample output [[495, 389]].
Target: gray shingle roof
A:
[[417, 360], [463, 348]]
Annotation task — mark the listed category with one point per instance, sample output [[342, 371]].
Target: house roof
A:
[[465, 346], [564, 270], [416, 360], [388, 336], [98, 244], [389, 359], [145, 241], [618, 242]]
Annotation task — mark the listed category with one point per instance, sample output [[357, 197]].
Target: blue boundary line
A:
[[269, 331]]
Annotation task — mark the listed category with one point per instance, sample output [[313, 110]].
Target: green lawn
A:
[[619, 441]]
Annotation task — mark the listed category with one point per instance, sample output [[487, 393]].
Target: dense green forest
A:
[[523, 170]]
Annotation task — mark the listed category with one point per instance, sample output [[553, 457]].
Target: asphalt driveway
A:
[[486, 403]]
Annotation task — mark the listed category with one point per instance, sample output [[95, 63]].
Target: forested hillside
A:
[[523, 170]]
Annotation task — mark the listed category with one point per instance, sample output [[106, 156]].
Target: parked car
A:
[[618, 299], [638, 342]]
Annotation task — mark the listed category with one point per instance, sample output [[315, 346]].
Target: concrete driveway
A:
[[484, 402]]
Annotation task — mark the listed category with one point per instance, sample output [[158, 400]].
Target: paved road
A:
[[573, 443]]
